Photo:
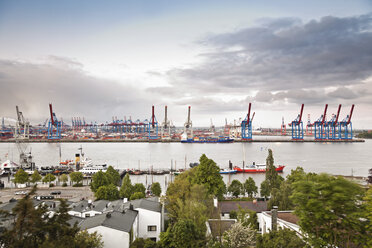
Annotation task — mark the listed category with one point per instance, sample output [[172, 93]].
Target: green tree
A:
[[113, 176], [64, 178], [35, 177], [137, 195], [187, 235], [156, 189], [271, 174], [139, 187], [283, 238], [208, 174], [235, 188], [107, 192], [265, 189], [368, 215], [239, 236], [49, 178], [21, 177], [126, 188], [76, 177], [247, 217], [143, 243], [99, 179], [84, 239], [330, 211], [250, 187]]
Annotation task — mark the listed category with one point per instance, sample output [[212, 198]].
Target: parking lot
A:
[[69, 193]]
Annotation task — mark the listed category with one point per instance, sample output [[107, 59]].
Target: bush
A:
[[51, 185], [137, 195], [64, 185], [77, 185]]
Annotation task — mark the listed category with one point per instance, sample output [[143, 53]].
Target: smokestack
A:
[[188, 115], [274, 218], [166, 113]]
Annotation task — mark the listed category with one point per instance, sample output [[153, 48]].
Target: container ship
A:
[[220, 139]]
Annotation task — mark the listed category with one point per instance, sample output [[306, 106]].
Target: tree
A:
[[247, 217], [113, 176], [208, 174], [271, 174], [143, 243], [21, 177], [64, 178], [187, 235], [126, 188], [265, 189], [76, 177], [33, 227], [235, 188], [99, 179], [156, 189], [49, 178], [35, 177], [137, 195], [250, 187], [239, 236], [330, 210], [139, 187], [107, 192], [283, 238], [368, 215]]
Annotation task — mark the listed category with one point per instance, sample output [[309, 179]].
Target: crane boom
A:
[[153, 116], [249, 112], [166, 117], [188, 115], [51, 113], [351, 113], [338, 114], [325, 113], [302, 110]]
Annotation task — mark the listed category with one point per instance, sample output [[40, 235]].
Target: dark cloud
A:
[[283, 55], [62, 82]]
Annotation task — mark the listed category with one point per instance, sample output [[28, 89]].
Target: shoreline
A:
[[178, 141]]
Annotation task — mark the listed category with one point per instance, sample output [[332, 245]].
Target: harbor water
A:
[[334, 158]]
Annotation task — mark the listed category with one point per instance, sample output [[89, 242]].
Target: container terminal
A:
[[327, 128]]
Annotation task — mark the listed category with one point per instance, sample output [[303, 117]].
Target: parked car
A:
[[55, 192]]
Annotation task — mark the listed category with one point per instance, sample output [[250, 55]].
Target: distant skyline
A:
[[98, 59]]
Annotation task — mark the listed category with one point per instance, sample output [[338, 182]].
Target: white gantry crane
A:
[[187, 131], [166, 126]]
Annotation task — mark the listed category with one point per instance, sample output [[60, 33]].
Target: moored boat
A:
[[257, 168], [220, 139], [228, 171]]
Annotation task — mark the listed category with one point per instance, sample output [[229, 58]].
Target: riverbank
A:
[[256, 140]]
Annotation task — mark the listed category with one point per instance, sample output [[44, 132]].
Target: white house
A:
[[150, 217], [285, 219], [118, 229]]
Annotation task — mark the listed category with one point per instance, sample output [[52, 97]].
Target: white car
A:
[[21, 193]]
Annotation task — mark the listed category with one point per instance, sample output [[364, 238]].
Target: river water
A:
[[334, 158]]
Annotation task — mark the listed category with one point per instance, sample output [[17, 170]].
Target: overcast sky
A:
[[98, 59]]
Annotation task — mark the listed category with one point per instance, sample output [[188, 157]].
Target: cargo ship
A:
[[220, 139], [255, 168]]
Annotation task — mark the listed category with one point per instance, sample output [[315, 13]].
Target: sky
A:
[[99, 59]]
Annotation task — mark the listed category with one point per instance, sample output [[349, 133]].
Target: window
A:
[[87, 215], [151, 228]]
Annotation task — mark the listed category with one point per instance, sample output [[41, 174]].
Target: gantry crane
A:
[[165, 126], [187, 130], [54, 125], [320, 132], [283, 128], [247, 125], [333, 126], [346, 127], [153, 126], [297, 126]]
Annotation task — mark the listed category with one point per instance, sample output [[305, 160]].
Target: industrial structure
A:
[[323, 129], [247, 125], [297, 126]]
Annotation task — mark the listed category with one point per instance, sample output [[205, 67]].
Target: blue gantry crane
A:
[[320, 130], [54, 125], [297, 126], [247, 125], [346, 127], [333, 126]]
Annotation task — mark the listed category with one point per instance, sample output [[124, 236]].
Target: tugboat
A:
[[255, 168]]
